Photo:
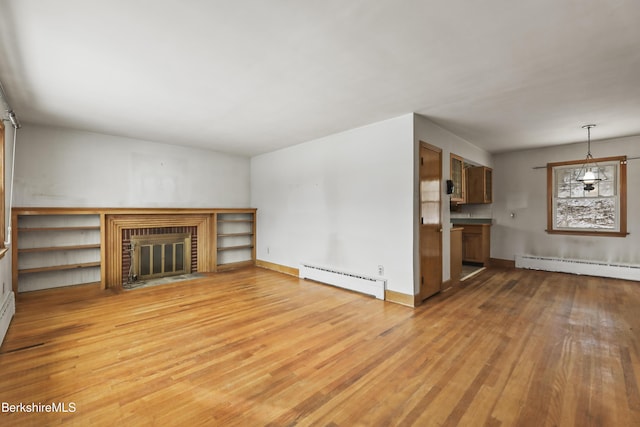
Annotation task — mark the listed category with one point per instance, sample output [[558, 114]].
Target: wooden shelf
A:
[[231, 248], [21, 230], [60, 248], [232, 265], [235, 239], [59, 267]]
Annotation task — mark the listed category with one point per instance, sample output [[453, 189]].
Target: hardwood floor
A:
[[256, 347]]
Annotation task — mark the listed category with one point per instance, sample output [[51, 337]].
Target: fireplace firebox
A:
[[160, 255]]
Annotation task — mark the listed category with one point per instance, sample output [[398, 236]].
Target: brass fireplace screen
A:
[[160, 255]]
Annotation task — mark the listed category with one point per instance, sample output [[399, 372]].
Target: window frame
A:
[[622, 198]]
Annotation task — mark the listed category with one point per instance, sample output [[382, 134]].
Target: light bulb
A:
[[589, 177]]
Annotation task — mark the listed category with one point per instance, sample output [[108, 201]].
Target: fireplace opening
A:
[[160, 255]]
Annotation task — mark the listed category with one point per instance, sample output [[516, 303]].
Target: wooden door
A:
[[430, 220]]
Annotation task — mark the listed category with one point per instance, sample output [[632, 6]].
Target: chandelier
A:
[[589, 173]]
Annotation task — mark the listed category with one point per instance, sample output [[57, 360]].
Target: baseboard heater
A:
[[575, 266], [6, 314], [367, 285]]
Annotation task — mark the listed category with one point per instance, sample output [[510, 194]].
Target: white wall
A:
[[429, 132], [522, 190], [344, 201], [69, 168]]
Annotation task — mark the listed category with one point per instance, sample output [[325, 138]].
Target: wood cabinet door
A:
[[479, 184], [457, 176], [472, 247], [488, 185]]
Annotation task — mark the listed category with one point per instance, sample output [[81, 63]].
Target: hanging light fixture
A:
[[589, 173]]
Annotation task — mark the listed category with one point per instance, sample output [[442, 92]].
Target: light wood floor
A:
[[255, 347]]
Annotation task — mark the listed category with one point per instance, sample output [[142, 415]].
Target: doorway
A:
[[430, 220]]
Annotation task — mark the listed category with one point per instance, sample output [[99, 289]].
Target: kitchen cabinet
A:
[[457, 176], [479, 184], [476, 243]]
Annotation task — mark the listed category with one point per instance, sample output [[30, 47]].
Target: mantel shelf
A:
[[235, 234]]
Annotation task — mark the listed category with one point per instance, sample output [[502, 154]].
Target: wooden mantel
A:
[[114, 220]]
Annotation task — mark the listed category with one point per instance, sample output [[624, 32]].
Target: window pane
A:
[[607, 173], [577, 189], [586, 213], [607, 189], [563, 182]]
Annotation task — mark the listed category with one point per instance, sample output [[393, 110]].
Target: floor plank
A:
[[257, 347]]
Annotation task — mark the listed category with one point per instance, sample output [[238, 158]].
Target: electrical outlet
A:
[[380, 270], [268, 250]]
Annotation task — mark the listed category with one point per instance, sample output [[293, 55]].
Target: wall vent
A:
[[576, 266], [356, 282]]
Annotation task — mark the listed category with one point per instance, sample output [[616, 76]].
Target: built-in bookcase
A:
[[235, 239], [57, 250], [54, 247]]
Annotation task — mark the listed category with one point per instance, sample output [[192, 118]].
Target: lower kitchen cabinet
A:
[[476, 243]]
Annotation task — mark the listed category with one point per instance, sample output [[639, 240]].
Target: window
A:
[[601, 211]]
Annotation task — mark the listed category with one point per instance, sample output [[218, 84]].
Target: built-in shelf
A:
[[59, 248], [56, 249], [59, 267], [235, 234], [32, 229], [235, 239], [234, 248]]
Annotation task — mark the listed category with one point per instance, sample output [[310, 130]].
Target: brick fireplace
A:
[[130, 235], [119, 229]]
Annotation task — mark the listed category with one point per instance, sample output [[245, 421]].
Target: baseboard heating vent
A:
[[576, 266], [355, 282], [6, 314]]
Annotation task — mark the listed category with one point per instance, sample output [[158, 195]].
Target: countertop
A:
[[456, 221]]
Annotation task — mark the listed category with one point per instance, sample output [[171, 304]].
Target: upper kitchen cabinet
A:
[[458, 179], [479, 184]]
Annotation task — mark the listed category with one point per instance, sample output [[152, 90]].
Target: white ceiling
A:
[[252, 76]]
